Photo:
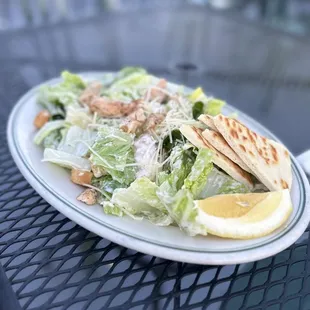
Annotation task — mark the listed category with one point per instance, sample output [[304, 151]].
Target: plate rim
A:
[[177, 254]]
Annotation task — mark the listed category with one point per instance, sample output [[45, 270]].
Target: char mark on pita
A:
[[218, 142], [207, 120], [269, 160]]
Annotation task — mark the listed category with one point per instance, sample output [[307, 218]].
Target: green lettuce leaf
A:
[[182, 209], [214, 106], [198, 109], [110, 78], [113, 150], [219, 183], [203, 104], [107, 185], [72, 81], [205, 180], [181, 162], [47, 129], [66, 160], [130, 70], [52, 139], [196, 180], [197, 95], [55, 98], [134, 79], [76, 141], [111, 209], [172, 180], [140, 201], [79, 116]]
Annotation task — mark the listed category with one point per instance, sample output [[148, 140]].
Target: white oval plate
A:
[[54, 185]]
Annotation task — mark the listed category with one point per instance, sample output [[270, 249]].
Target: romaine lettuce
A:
[[205, 180], [47, 129], [66, 160], [113, 150], [196, 180], [78, 116], [131, 80], [140, 201], [203, 104], [111, 209], [106, 185], [181, 162], [72, 81], [52, 140], [183, 210], [62, 94], [219, 183], [214, 106], [76, 141]]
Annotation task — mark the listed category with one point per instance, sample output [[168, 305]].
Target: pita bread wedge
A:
[[218, 142], [269, 160], [208, 120], [194, 135]]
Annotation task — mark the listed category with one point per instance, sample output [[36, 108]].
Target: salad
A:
[[138, 145]]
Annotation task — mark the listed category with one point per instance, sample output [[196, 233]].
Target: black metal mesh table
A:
[[54, 264]]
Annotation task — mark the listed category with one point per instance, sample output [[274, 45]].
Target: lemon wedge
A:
[[244, 216]]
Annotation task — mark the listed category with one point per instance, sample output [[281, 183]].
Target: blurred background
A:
[[288, 15], [252, 53]]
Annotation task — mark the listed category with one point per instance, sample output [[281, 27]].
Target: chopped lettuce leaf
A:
[[111, 209], [71, 80], [76, 141], [113, 150], [66, 160], [204, 104], [130, 70], [196, 180], [63, 94], [198, 109], [52, 140], [196, 95], [57, 95], [162, 177], [56, 110], [132, 80], [183, 210], [78, 116], [140, 201], [219, 183], [107, 185], [205, 180], [47, 129], [214, 106], [181, 162], [109, 78]]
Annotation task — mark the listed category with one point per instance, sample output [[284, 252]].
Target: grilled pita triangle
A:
[[218, 142], [269, 160], [208, 120], [194, 135]]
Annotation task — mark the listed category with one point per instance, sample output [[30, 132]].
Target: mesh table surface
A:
[[54, 264]]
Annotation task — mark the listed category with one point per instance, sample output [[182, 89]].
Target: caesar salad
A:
[[150, 149]]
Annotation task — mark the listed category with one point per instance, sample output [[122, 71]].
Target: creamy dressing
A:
[[145, 151]]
